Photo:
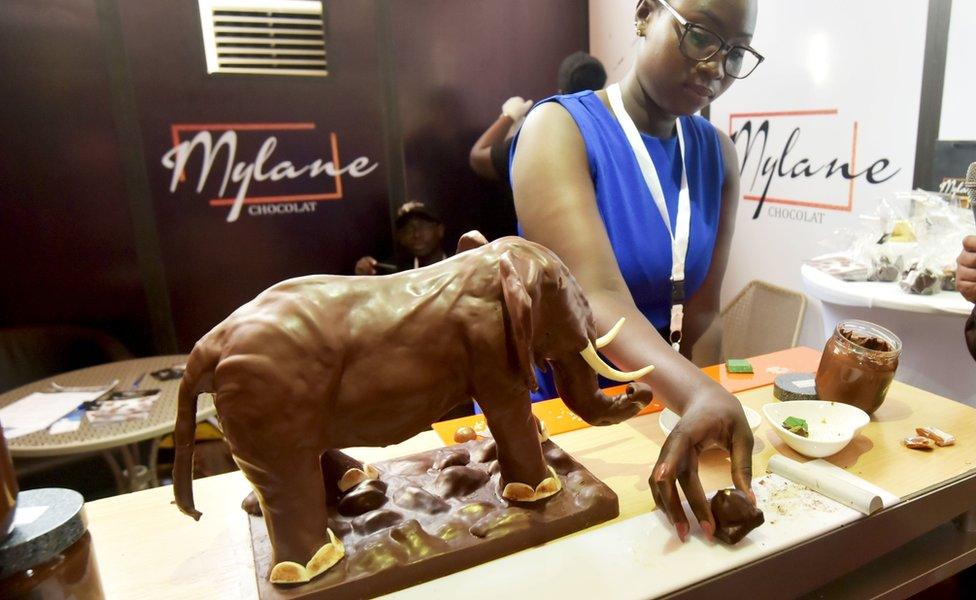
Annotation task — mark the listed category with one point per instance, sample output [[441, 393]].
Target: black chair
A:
[[31, 353]]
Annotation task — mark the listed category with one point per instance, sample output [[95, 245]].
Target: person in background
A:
[[638, 195], [966, 284], [419, 239], [489, 156]]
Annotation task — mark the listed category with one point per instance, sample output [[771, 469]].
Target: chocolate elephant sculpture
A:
[[323, 362]]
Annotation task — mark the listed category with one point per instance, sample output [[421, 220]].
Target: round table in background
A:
[[934, 354], [108, 437]]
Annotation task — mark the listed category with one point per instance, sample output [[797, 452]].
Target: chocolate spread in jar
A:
[[858, 365], [50, 553], [8, 489], [71, 574]]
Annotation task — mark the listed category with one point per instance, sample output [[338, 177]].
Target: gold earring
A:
[[641, 27]]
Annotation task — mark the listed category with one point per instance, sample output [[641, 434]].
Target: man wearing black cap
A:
[[419, 235]]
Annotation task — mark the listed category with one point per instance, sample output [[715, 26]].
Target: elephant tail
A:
[[197, 378]]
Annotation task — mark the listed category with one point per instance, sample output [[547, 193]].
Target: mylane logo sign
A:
[[262, 184], [805, 159]]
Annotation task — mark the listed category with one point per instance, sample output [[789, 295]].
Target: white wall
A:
[[612, 36], [824, 56], [862, 61], [959, 92]]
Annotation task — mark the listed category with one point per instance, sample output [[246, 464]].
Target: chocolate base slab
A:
[[436, 513]]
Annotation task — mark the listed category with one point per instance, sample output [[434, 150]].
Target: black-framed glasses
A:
[[699, 43]]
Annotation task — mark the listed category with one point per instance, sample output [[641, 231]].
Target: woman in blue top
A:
[[595, 175]]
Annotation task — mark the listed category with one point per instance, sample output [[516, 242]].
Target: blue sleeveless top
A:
[[637, 234]]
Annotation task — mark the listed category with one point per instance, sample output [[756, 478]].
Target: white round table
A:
[[108, 437], [934, 354]]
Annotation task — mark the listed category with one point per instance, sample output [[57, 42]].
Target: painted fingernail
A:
[[682, 531], [709, 529], [661, 472]]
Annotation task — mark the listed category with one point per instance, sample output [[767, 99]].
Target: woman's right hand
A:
[[711, 418], [366, 266]]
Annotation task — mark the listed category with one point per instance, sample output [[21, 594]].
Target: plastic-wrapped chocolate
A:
[[921, 280], [883, 268], [949, 280]]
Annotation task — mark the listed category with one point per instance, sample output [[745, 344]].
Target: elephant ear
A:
[[518, 303], [471, 240]]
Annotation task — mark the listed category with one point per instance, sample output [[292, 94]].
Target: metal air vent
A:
[[264, 37]]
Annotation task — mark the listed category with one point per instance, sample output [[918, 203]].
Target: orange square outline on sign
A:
[[807, 203], [176, 128]]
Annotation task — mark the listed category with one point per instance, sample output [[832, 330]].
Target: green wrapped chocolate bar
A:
[[797, 426], [738, 365]]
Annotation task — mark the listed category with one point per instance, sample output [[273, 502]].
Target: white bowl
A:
[[832, 425], [669, 419]]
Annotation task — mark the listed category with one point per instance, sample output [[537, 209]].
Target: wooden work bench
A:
[[146, 548]]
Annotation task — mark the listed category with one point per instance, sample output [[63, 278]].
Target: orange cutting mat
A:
[[559, 419], [766, 369]]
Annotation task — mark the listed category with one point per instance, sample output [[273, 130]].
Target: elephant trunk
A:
[[578, 388]]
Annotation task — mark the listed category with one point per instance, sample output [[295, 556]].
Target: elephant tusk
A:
[[608, 336], [596, 363]]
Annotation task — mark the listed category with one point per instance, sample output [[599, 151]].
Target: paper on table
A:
[[38, 410], [67, 424], [833, 482]]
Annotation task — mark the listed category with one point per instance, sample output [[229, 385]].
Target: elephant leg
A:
[[288, 486], [525, 475], [295, 509], [277, 436], [343, 472]]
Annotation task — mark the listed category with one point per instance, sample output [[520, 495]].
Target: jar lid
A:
[[47, 521], [795, 386]]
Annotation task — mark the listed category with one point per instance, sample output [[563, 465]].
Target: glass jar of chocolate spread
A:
[[858, 364], [49, 554], [8, 489]]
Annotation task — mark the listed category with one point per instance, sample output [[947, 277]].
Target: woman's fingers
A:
[[695, 494], [741, 454], [663, 481]]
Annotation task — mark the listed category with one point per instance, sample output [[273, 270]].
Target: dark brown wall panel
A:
[[456, 63], [411, 79], [65, 227], [212, 265]]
